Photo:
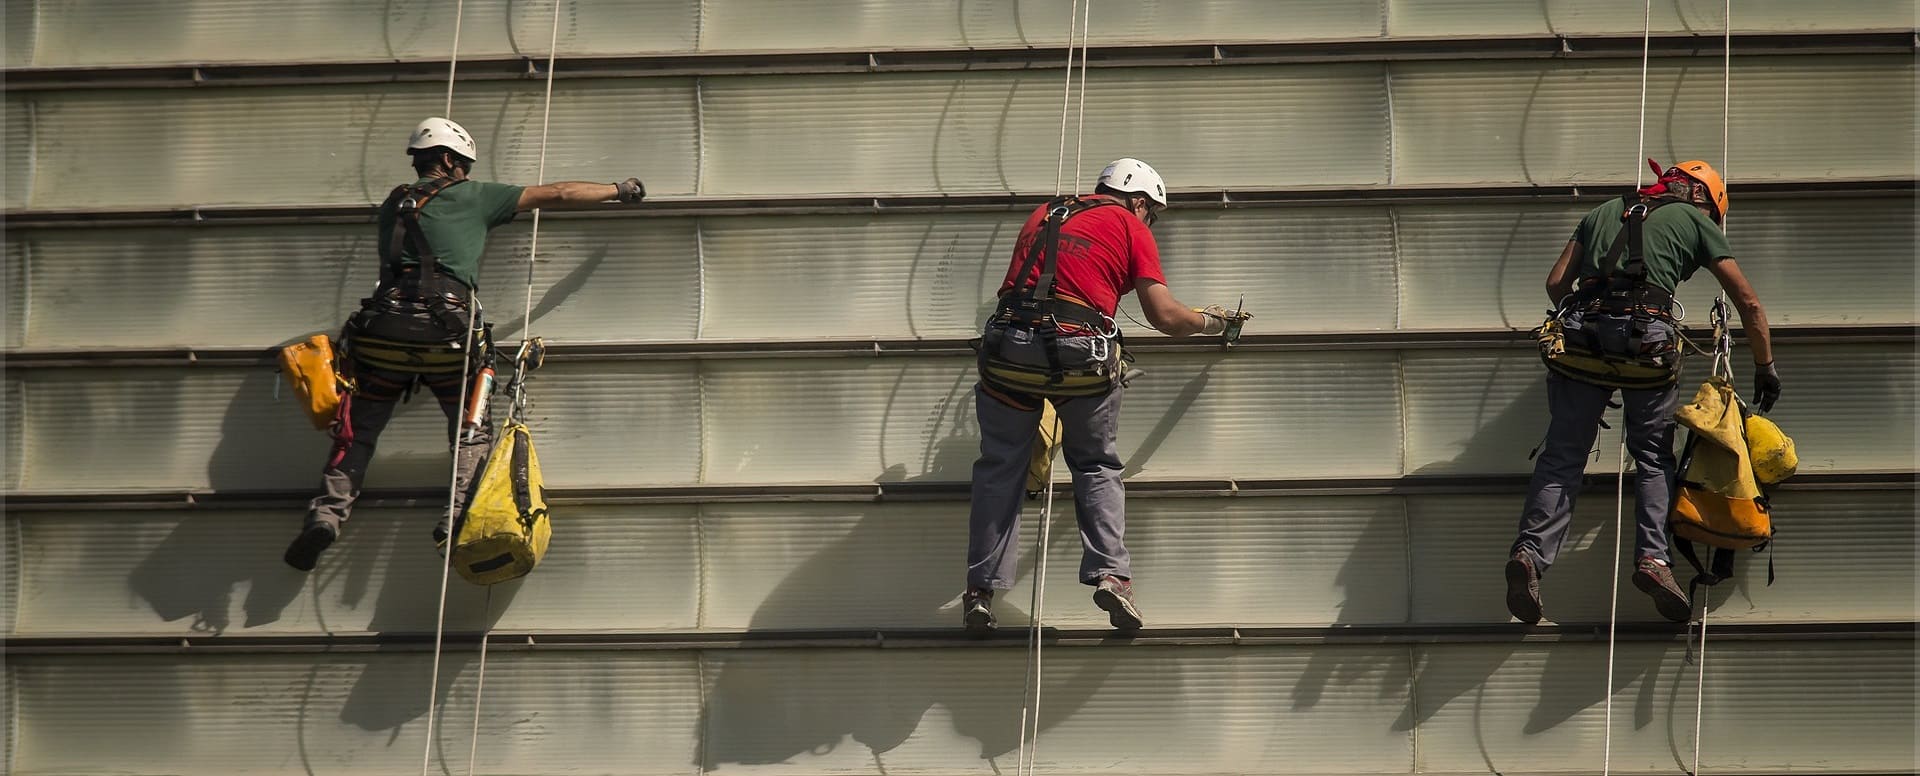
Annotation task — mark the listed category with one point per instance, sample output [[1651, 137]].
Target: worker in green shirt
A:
[[1613, 287], [423, 326]]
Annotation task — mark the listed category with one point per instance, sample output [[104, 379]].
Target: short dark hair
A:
[[427, 161]]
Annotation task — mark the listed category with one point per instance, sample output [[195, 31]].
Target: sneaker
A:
[[1115, 595], [1523, 588], [1656, 580], [976, 606], [304, 553]]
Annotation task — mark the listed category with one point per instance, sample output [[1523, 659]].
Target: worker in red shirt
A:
[[1053, 338]]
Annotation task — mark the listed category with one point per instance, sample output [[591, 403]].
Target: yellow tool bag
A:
[[1720, 503], [1045, 445], [505, 529], [1771, 451], [310, 370]]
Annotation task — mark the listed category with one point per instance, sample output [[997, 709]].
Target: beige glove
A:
[[1216, 319]]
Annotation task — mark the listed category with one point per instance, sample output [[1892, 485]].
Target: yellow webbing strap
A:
[[412, 357]]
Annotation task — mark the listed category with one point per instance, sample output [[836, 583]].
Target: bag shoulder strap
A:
[[1046, 248]]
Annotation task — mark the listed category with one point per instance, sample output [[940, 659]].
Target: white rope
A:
[[1066, 98], [446, 563], [1620, 478], [453, 59], [1080, 132], [540, 175], [480, 684], [1723, 354], [1030, 700]]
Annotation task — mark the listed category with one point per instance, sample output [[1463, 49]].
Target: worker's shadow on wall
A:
[[199, 567], [768, 710], [392, 691], [1571, 680]]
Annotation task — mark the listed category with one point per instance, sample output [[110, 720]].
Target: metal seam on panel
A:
[[1591, 633], [859, 492], [1192, 53], [1403, 340], [929, 202], [1393, 145]]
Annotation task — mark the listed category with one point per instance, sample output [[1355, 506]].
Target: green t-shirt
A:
[[1679, 240], [456, 222]]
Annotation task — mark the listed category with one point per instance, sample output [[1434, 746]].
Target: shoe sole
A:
[[979, 622], [1120, 611], [1521, 602], [1671, 605], [305, 551]]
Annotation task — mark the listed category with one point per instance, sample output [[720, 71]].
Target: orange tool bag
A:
[[311, 370]]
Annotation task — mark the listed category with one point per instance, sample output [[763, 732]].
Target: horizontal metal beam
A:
[[682, 64], [947, 347], [867, 492], [938, 638], [992, 202]]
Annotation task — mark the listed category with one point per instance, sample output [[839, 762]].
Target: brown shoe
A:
[[1115, 595], [1656, 580], [1523, 588]]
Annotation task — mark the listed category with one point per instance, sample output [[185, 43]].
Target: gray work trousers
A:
[[1576, 408], [1089, 425], [356, 432]]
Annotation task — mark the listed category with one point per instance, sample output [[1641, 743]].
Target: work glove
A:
[[1215, 319], [1766, 386], [630, 191]]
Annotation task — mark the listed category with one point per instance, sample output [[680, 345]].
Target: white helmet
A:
[[1134, 177], [441, 133]]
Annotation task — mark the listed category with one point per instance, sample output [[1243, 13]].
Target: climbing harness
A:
[[1040, 344], [1621, 290], [1040, 296]]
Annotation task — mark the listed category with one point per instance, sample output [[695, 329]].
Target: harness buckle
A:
[[1639, 209]]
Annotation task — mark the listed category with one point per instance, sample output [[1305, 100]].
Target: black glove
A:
[[630, 191], [1766, 386]]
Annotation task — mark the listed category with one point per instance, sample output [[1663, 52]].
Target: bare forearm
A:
[[566, 193], [1179, 322], [1753, 319]]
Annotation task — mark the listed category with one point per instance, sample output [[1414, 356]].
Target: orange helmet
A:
[[1716, 188]]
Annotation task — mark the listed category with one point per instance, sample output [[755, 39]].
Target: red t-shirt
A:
[[1103, 253]]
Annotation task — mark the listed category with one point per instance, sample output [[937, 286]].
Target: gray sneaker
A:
[[1115, 596], [1656, 580], [1523, 588]]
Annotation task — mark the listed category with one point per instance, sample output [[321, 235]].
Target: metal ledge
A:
[[940, 638], [990, 202], [946, 347], [871, 492], [683, 64]]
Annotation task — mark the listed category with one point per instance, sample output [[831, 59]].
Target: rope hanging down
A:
[[515, 407], [1078, 21], [1723, 357], [1620, 476]]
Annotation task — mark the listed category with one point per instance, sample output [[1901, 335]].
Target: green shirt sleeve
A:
[[1712, 245], [500, 202]]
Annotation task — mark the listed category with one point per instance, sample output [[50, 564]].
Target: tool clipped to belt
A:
[[1030, 314], [1621, 290]]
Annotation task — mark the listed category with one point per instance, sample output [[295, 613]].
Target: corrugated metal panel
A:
[[1482, 411], [1560, 122], [1244, 127], [354, 714], [22, 18], [342, 144], [1103, 711], [887, 24], [1302, 269], [210, 288], [1843, 556], [13, 298], [19, 151], [13, 431], [1486, 266], [220, 572], [1500, 17], [1815, 706], [1192, 416], [1832, 707], [80, 32], [151, 428], [1197, 562], [1189, 417]]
